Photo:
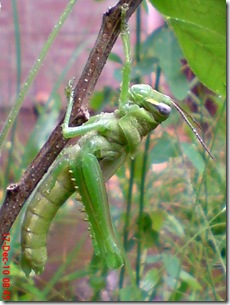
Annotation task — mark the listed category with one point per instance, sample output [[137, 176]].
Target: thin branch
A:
[[17, 194]]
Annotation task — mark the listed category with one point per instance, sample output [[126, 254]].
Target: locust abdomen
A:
[[55, 188]]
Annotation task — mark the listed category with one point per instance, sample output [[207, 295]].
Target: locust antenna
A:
[[187, 114], [192, 128]]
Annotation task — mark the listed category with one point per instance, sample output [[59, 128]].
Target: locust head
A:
[[159, 105]]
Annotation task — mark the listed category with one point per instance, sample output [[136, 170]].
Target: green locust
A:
[[107, 140]]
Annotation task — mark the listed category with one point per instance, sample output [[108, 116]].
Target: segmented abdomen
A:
[[44, 203]]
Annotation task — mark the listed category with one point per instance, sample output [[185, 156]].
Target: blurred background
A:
[[183, 241]]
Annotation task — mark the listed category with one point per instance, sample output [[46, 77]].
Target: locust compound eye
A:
[[164, 109]]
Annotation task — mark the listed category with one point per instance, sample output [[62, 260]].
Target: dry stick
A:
[[17, 194]]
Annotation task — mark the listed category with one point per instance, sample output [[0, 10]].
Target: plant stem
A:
[[21, 96], [127, 217], [142, 191], [18, 61]]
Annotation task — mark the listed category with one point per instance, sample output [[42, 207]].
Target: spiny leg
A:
[[125, 36], [69, 92], [70, 132], [88, 175]]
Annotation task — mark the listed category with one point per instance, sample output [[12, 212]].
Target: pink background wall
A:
[[37, 19]]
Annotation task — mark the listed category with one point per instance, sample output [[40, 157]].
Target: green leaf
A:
[[101, 98], [192, 282], [47, 118], [178, 294], [97, 282], [129, 294], [150, 237], [158, 217], [163, 44], [165, 149], [144, 222], [97, 100], [172, 265], [153, 259], [200, 26], [175, 226], [194, 156], [115, 58], [144, 67], [150, 280]]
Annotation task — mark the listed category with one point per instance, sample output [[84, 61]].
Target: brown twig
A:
[[17, 194]]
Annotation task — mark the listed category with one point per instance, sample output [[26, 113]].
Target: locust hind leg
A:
[[89, 179]]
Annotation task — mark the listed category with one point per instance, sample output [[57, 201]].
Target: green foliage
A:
[[200, 27], [48, 116], [163, 44], [22, 94], [183, 238], [164, 150]]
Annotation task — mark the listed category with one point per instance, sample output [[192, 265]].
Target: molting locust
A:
[[107, 140]]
